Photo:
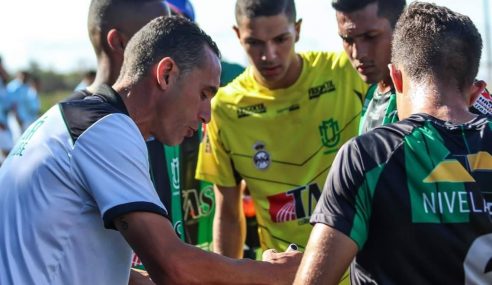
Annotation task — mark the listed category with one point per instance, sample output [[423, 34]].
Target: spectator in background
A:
[[29, 107], [87, 80], [6, 142], [23, 98]]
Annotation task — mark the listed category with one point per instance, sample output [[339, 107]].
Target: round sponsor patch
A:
[[261, 159]]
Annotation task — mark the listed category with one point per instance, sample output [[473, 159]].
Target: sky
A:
[[53, 32]]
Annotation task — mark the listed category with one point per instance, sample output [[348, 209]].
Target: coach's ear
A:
[[477, 88], [396, 77], [166, 72]]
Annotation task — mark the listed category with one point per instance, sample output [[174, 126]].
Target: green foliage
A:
[[52, 81], [49, 99]]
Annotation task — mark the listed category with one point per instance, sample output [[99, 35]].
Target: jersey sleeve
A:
[[214, 163], [110, 161], [345, 200]]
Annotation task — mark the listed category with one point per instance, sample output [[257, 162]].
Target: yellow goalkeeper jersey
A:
[[282, 142]]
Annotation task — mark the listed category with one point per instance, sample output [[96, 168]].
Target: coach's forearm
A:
[[197, 267]]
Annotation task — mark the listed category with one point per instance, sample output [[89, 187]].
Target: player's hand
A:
[[286, 263]]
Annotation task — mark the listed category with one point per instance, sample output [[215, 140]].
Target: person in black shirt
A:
[[409, 203]]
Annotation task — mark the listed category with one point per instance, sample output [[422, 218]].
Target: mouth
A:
[[271, 70], [364, 68]]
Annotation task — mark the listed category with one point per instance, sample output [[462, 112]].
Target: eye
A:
[[347, 40], [370, 37], [253, 43], [203, 96], [281, 40]]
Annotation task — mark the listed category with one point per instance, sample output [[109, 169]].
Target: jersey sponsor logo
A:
[[178, 228], [449, 201], [198, 204], [484, 103], [175, 173], [289, 109], [295, 204], [459, 202], [136, 262], [330, 134], [451, 170], [261, 159], [250, 110], [315, 92]]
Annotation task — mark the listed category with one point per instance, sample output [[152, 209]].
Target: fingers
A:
[[268, 254]]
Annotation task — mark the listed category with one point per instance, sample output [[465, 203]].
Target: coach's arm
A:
[[170, 261]]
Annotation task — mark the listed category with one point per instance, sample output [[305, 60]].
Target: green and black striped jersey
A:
[[416, 198]]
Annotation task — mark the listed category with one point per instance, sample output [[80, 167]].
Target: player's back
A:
[[420, 189]]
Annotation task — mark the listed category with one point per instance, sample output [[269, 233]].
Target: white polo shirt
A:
[[78, 167]]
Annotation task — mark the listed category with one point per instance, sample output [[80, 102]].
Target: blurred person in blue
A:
[[86, 81], [5, 135], [22, 99]]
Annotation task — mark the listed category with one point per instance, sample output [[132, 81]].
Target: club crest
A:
[[261, 159]]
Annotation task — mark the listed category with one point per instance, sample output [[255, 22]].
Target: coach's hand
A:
[[286, 264]]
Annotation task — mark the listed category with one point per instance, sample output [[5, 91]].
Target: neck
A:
[[136, 102], [441, 101], [385, 85], [108, 71]]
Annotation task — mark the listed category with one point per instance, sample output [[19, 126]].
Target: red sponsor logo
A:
[[282, 208], [136, 262], [484, 103], [486, 94]]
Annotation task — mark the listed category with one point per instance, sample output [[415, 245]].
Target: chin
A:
[[175, 142]]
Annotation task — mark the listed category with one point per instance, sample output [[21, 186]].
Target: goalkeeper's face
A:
[[367, 41]]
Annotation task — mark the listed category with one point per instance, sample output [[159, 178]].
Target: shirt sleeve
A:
[[110, 161], [214, 163], [345, 201]]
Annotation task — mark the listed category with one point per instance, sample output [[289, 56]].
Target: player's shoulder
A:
[[379, 144], [326, 59], [232, 93]]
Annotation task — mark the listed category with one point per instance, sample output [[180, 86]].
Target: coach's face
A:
[[367, 41], [185, 104]]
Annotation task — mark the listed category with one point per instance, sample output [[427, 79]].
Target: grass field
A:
[[50, 99]]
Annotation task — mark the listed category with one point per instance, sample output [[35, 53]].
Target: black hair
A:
[[389, 9], [170, 36], [105, 15], [434, 41], [256, 8]]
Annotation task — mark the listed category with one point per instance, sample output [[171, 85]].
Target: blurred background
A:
[[49, 38]]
